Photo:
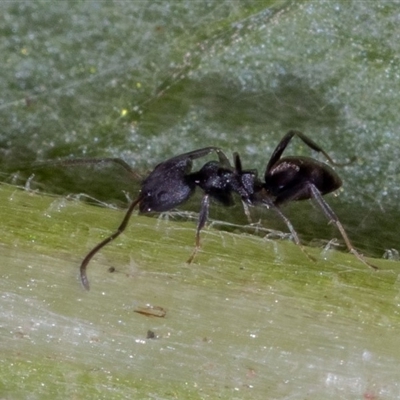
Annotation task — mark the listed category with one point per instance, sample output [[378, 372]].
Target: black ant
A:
[[172, 182]]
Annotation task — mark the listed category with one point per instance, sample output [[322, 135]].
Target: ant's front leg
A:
[[90, 161]]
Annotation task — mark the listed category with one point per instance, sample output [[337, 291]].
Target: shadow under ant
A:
[[286, 179]]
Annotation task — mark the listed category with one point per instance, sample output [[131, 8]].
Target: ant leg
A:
[[86, 161], [280, 148], [89, 256], [270, 204], [312, 145], [316, 195], [246, 210], [203, 216], [222, 158], [193, 155]]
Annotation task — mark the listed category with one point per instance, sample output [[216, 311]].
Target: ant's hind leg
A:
[[203, 216], [316, 195]]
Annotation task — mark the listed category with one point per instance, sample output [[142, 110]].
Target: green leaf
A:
[[143, 81]]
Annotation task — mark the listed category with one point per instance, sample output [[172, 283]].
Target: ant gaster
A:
[[286, 179]]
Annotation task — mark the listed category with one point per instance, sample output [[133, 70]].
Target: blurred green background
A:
[[146, 80]]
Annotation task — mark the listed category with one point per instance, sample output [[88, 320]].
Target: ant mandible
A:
[[286, 179]]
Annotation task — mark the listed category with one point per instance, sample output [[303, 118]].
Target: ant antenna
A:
[[121, 228]]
